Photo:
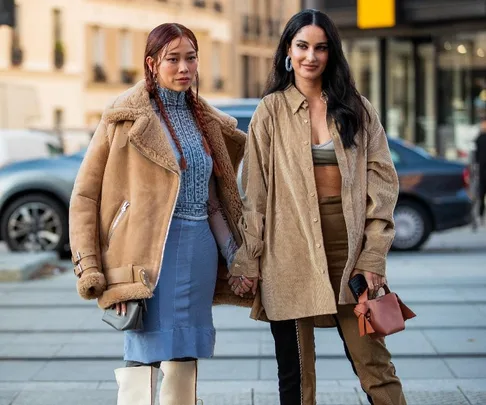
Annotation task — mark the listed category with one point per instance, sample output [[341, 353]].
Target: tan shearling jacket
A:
[[124, 197], [281, 226]]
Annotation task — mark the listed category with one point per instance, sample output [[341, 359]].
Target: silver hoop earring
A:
[[288, 64]]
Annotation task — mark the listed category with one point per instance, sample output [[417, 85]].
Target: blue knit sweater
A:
[[194, 191]]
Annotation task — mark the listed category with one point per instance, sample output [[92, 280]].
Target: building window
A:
[[16, 50], [126, 46], [218, 83], [58, 125], [58, 119], [98, 49], [218, 6], [58, 44]]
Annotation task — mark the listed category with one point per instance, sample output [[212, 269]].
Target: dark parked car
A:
[[34, 195]]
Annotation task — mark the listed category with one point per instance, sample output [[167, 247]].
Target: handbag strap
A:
[[361, 310]]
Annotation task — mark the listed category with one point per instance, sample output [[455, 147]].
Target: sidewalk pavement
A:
[[55, 350]]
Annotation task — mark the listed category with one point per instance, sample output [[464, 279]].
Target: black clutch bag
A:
[[133, 319]]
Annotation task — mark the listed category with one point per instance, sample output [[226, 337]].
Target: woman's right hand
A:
[[121, 308]]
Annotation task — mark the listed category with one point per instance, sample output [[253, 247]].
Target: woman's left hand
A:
[[375, 281], [241, 285]]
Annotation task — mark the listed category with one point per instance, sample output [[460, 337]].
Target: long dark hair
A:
[[344, 101], [157, 41]]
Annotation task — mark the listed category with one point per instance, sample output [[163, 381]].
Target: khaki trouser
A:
[[294, 339]]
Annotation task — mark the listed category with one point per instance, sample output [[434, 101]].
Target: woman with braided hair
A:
[[153, 216]]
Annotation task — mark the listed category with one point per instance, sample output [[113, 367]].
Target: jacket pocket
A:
[[121, 213]]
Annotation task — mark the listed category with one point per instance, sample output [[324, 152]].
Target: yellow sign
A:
[[376, 13]]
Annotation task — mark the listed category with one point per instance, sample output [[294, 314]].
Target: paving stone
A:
[[6, 397], [226, 399], [79, 371], [426, 294], [100, 350], [476, 397], [431, 316], [32, 351], [422, 368], [19, 370], [38, 319], [457, 341], [435, 398], [48, 386], [323, 398], [430, 398], [468, 367], [96, 397], [20, 266], [42, 298]]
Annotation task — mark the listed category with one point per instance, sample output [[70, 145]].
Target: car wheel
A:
[[34, 223], [412, 226]]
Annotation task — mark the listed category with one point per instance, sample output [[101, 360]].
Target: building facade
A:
[[257, 28], [63, 61], [426, 74]]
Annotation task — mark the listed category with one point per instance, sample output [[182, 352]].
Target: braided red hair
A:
[[157, 40]]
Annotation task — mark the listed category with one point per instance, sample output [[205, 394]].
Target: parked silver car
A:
[[34, 200]]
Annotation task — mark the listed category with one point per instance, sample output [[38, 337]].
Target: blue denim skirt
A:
[[179, 322]]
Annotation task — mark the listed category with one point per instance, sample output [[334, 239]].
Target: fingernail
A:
[[124, 314]]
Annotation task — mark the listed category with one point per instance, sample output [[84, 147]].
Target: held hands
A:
[[241, 285], [375, 281]]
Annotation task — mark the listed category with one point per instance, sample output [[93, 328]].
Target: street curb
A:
[[16, 267]]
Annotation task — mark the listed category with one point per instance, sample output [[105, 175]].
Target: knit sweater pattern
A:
[[192, 201]]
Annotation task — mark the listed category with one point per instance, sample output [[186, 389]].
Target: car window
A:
[[243, 123], [54, 150], [395, 156]]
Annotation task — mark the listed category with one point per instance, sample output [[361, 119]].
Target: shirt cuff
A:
[[372, 263]]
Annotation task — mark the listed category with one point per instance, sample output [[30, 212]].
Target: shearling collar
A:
[[148, 136], [135, 102]]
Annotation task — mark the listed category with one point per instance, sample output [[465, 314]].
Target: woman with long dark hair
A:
[[153, 208], [320, 190]]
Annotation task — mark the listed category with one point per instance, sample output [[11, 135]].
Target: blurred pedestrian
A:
[[152, 207], [320, 190], [480, 158]]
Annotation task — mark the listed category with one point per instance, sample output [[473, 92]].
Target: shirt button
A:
[[313, 194], [306, 121], [306, 142], [316, 220], [309, 168], [318, 245]]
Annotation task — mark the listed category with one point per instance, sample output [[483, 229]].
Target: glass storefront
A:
[[432, 87], [462, 87]]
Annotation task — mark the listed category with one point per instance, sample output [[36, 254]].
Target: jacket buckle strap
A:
[[88, 259], [127, 274]]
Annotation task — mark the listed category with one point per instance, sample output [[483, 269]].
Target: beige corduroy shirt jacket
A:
[[281, 226]]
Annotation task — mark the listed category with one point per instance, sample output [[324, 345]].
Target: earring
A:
[[288, 64]]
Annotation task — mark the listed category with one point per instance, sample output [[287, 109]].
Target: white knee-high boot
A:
[[179, 382], [136, 385]]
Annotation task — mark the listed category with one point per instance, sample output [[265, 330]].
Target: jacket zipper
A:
[[171, 214], [118, 218], [168, 226]]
